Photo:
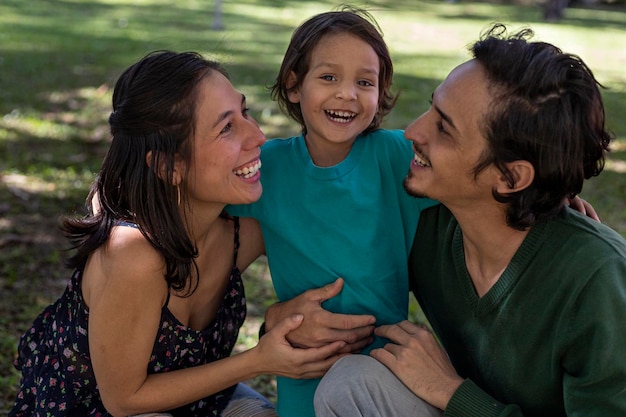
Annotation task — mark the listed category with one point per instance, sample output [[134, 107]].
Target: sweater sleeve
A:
[[470, 401], [594, 360]]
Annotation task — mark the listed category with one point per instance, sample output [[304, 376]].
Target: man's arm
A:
[[423, 366]]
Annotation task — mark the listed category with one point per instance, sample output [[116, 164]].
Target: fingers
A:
[[316, 361], [328, 290], [590, 211], [316, 333], [347, 321], [583, 207], [382, 355], [290, 323], [401, 332], [329, 350]]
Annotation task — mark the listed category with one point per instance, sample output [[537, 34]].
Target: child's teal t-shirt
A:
[[353, 220]]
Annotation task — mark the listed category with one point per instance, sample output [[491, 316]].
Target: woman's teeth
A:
[[249, 171]]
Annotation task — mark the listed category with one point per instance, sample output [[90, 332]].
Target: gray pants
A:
[[359, 385]]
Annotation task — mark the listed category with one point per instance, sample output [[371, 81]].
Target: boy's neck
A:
[[328, 154]]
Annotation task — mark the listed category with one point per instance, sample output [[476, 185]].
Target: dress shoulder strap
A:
[[236, 221]]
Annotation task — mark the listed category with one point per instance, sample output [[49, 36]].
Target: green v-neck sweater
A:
[[549, 338]]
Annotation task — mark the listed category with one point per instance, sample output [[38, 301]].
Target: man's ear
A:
[[523, 174], [160, 170], [292, 92]]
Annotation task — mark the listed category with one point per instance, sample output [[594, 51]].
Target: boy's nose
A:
[[346, 91]]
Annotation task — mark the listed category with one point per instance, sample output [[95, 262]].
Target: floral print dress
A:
[[53, 355]]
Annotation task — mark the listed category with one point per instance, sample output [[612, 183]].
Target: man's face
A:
[[448, 142]]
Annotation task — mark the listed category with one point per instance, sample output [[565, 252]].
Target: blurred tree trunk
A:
[[553, 10], [217, 16]]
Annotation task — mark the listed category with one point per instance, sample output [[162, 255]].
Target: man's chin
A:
[[410, 190]]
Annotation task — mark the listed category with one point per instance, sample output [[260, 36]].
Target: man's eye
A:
[[441, 129]]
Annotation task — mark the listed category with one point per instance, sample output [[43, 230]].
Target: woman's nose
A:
[[256, 137]]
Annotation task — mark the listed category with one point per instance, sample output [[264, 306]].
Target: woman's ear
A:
[[523, 173], [161, 171], [292, 92]]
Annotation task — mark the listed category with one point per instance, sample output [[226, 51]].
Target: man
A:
[[526, 296]]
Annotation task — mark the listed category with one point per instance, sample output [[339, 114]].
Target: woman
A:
[[152, 312]]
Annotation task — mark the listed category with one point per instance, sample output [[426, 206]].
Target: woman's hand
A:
[[319, 326], [279, 357]]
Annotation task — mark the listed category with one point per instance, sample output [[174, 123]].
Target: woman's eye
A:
[[245, 112], [226, 128]]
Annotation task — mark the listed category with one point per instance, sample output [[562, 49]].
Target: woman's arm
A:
[[125, 298]]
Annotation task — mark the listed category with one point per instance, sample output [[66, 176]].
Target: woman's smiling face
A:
[[225, 162]]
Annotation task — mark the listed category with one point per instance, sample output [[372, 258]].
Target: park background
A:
[[59, 60]]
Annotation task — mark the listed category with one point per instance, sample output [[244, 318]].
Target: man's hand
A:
[[321, 327], [419, 362]]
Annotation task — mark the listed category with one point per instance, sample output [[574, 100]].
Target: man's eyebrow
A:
[[227, 113]]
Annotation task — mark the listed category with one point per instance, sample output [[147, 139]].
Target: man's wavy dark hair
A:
[[547, 110]]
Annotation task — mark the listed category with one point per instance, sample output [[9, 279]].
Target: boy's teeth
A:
[[340, 116], [248, 171]]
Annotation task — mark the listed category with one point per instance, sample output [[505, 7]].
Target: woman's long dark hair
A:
[[153, 116]]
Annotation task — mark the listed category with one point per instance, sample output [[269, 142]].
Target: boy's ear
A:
[[523, 173], [160, 170], [292, 92]]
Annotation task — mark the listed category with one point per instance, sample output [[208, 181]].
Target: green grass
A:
[[59, 60]]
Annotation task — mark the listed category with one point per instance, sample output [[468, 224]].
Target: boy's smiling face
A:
[[338, 96]]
